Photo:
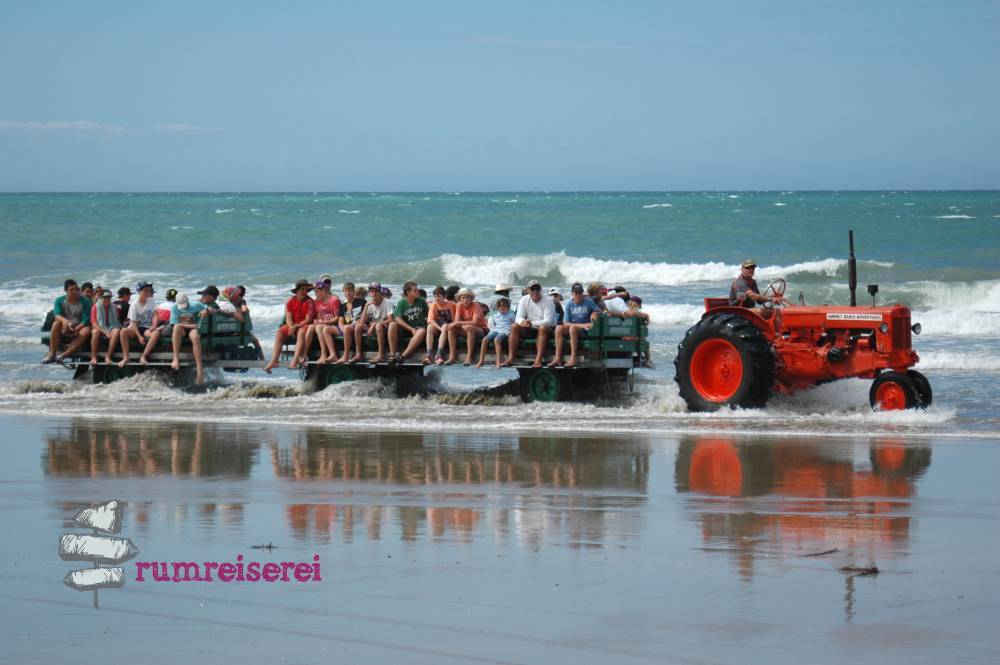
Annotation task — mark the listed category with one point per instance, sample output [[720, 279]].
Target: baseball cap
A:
[[533, 283], [124, 291], [182, 300], [637, 300], [375, 285], [171, 293], [210, 290], [321, 284], [577, 287], [141, 285], [554, 291], [106, 293], [326, 278], [386, 292], [748, 263], [465, 292]]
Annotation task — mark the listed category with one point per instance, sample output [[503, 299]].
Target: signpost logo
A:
[[99, 548]]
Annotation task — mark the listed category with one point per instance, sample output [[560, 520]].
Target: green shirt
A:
[[79, 313], [414, 315]]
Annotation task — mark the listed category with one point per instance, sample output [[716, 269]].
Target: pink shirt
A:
[[329, 311]]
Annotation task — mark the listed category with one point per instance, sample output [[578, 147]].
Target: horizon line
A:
[[453, 192]]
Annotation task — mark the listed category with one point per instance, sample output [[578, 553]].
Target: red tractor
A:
[[737, 356]]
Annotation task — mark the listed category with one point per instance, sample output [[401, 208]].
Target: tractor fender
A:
[[770, 327]]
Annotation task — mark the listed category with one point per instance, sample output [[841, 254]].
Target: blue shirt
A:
[[193, 309], [502, 322], [573, 313]]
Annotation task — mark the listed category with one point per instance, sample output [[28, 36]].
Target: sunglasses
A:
[[535, 288]]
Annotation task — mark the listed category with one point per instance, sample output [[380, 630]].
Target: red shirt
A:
[[300, 309]]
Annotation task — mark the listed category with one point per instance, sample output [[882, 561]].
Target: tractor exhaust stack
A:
[[852, 271]]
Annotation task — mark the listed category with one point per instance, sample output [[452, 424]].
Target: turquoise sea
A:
[[938, 252]]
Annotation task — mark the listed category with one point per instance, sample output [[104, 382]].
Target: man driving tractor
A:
[[744, 291]]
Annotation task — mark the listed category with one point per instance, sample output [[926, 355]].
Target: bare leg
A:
[[95, 340], [55, 336], [112, 343], [515, 338], [415, 341], [380, 337], [498, 345], [560, 330], [470, 334], [82, 335], [574, 344], [543, 338], [279, 340], [196, 351], [393, 338], [348, 342], [175, 344], [298, 351], [359, 344], [125, 337], [154, 339], [310, 336], [482, 353], [452, 344]]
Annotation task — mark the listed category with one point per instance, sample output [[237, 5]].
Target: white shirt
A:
[[541, 313], [615, 305]]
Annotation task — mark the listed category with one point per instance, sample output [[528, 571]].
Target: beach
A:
[[508, 547]]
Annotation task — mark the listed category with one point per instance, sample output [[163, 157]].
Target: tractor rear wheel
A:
[[923, 387], [893, 392], [724, 360]]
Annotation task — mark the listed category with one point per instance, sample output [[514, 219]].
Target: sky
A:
[[501, 96]]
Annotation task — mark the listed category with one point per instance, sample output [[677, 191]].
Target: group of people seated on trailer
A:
[[440, 326], [88, 313]]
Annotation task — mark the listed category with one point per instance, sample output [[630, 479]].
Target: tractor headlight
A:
[[916, 328], [884, 328]]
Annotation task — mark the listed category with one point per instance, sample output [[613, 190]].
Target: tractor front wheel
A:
[[724, 360], [923, 387], [893, 392]]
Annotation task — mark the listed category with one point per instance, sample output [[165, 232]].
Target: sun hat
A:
[[502, 286], [748, 263], [143, 284], [182, 300], [302, 283], [465, 292], [210, 290]]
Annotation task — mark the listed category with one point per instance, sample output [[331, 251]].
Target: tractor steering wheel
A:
[[776, 289]]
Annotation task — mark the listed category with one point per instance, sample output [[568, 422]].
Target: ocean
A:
[[938, 252]]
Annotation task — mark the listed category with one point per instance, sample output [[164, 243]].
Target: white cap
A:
[[554, 291], [181, 300]]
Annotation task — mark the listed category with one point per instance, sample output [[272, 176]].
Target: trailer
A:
[[608, 355]]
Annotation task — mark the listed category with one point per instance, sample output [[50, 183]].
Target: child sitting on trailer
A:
[[500, 324]]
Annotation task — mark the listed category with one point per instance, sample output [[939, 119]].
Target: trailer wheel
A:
[[923, 387], [724, 360], [893, 392], [541, 385], [340, 373]]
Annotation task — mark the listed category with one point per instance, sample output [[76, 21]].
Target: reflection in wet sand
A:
[[799, 499], [178, 449]]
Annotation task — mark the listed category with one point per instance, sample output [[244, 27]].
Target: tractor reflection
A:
[[795, 499]]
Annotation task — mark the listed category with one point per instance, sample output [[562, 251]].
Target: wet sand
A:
[[517, 548]]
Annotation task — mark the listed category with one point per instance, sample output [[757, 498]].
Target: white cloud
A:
[[87, 126], [180, 127]]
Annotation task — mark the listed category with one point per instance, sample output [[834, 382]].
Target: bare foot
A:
[[143, 360], [342, 360], [479, 365], [498, 364], [508, 362], [537, 363], [199, 378], [555, 363], [378, 359], [294, 364], [108, 360], [93, 361], [571, 363], [439, 361], [322, 360], [356, 358], [176, 364], [123, 362], [427, 360], [267, 368], [48, 359]]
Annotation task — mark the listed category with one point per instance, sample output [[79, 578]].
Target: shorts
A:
[[476, 333], [330, 326], [497, 335], [531, 333], [285, 331]]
